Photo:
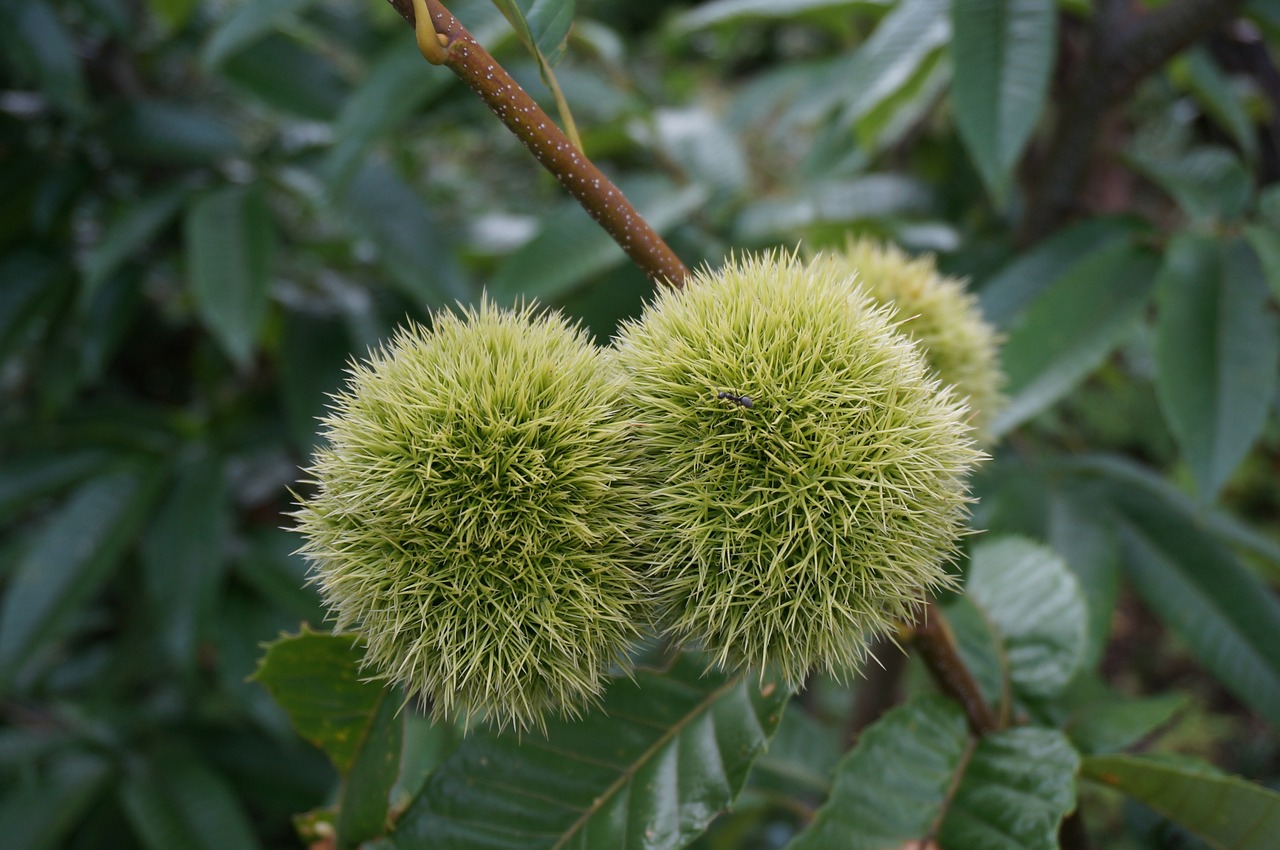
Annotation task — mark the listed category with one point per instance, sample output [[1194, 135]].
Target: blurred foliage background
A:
[[208, 207]]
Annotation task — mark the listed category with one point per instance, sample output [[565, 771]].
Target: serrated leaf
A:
[[1017, 787], [802, 756], [1003, 54], [246, 25], [412, 243], [230, 240], [182, 555], [891, 788], [918, 771], [666, 753], [1034, 601], [1229, 619], [1226, 811], [69, 558], [366, 791], [1017, 285], [571, 248], [129, 231], [1218, 350], [175, 799], [316, 679], [1071, 328]]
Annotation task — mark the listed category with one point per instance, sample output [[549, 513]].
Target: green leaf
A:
[[1006, 295], [249, 23], [571, 248], [1229, 619], [395, 89], [155, 131], [69, 558], [1218, 349], [289, 77], [1003, 54], [230, 240], [1082, 531], [832, 205], [918, 771], [802, 756], [41, 815], [667, 752], [882, 125], [892, 787], [1224, 527], [720, 12], [1265, 241], [183, 561], [26, 480], [1071, 328], [316, 679], [542, 25], [366, 792], [1219, 99], [1226, 811], [1210, 184], [314, 349], [128, 233], [1033, 600], [978, 642], [1017, 787], [894, 54], [1116, 722], [175, 799], [413, 245], [34, 36]]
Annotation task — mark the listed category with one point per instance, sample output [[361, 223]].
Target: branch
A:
[[462, 54], [937, 647], [1117, 58]]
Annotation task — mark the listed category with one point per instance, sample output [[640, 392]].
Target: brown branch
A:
[[1117, 58], [595, 192], [936, 644]]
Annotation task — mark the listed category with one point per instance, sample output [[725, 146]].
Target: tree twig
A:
[[936, 644], [463, 55]]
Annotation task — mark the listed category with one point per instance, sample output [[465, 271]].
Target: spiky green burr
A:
[[474, 515], [808, 472], [940, 315]]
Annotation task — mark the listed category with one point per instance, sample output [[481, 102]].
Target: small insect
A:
[[744, 400]]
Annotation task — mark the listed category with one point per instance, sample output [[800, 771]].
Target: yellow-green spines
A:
[[474, 515], [789, 530], [938, 313]]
